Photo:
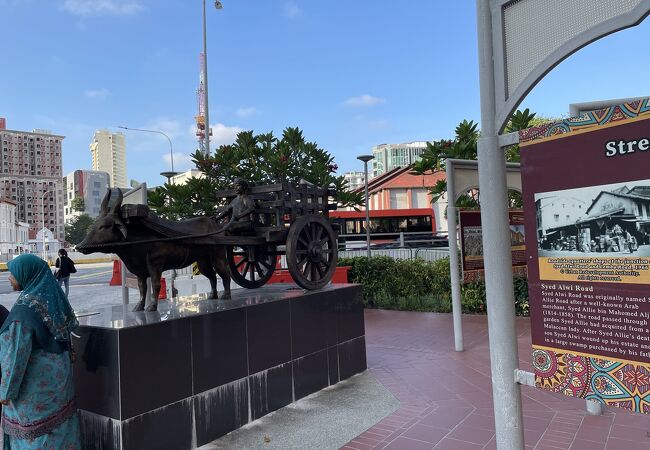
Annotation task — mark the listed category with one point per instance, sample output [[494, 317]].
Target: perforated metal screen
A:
[[534, 29]]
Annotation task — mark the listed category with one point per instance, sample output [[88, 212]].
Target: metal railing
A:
[[403, 245], [392, 240], [427, 254]]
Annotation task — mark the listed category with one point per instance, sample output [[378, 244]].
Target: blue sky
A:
[[351, 74]]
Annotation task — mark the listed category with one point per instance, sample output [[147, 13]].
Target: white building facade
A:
[[109, 155], [7, 227], [45, 244], [555, 212], [90, 186], [14, 236], [355, 179], [184, 177], [390, 156]]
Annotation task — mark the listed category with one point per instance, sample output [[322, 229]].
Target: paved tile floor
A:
[[446, 397]]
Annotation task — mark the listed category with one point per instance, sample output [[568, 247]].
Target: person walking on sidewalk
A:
[[37, 389], [65, 266]]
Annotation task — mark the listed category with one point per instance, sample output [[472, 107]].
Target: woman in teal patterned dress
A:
[[37, 389]]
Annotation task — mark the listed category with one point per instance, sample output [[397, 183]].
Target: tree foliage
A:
[[78, 204], [259, 159], [465, 146], [77, 227]]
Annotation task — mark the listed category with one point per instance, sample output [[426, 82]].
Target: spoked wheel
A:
[[251, 266], [311, 251]]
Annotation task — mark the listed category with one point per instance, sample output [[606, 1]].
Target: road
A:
[[87, 274]]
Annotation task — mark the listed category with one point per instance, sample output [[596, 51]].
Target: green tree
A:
[[77, 227], [78, 204], [465, 146], [259, 159]]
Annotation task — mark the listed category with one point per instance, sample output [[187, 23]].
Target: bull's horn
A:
[[107, 197], [118, 201]]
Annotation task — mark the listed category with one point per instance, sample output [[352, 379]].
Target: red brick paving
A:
[[446, 397]]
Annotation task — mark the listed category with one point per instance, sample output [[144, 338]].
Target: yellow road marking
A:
[[90, 275]]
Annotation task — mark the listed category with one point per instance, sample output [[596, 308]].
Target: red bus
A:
[[387, 222]]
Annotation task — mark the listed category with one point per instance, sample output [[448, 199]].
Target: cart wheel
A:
[[251, 266], [311, 251]]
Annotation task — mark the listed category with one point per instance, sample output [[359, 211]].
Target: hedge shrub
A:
[[417, 285]]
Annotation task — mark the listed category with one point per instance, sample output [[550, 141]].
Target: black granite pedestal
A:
[[198, 369]]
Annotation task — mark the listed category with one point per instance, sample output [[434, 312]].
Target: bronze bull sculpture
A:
[[147, 252]]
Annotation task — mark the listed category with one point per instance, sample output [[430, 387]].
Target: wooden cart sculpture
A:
[[282, 219], [289, 220]]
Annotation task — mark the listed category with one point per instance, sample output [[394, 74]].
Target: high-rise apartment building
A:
[[30, 176], [390, 156], [109, 155], [354, 179], [84, 191]]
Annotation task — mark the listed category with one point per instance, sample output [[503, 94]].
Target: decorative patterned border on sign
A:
[[623, 384], [587, 120]]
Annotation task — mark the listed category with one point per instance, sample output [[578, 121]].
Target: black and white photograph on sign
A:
[[604, 220], [472, 241]]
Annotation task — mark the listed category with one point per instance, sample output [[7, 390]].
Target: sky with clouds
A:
[[351, 74]]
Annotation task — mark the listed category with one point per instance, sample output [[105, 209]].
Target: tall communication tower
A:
[[200, 103]]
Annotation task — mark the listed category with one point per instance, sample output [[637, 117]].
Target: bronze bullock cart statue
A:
[[265, 223]]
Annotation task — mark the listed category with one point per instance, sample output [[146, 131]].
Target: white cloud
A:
[[99, 94], [144, 141], [223, 135], [292, 10], [378, 124], [361, 120], [246, 111], [88, 8], [170, 127], [363, 100], [182, 161]]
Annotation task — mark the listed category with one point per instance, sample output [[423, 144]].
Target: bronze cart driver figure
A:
[[239, 210]]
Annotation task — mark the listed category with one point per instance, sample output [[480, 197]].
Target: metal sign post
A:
[[454, 263], [462, 176]]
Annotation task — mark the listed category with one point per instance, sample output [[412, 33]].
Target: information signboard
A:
[[471, 240], [587, 197]]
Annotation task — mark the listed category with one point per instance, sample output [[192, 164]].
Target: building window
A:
[[556, 217]]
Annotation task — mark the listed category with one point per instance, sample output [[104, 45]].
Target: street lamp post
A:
[[166, 174], [43, 218], [217, 5], [365, 159]]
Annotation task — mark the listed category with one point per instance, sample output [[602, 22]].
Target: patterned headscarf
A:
[[43, 298]]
